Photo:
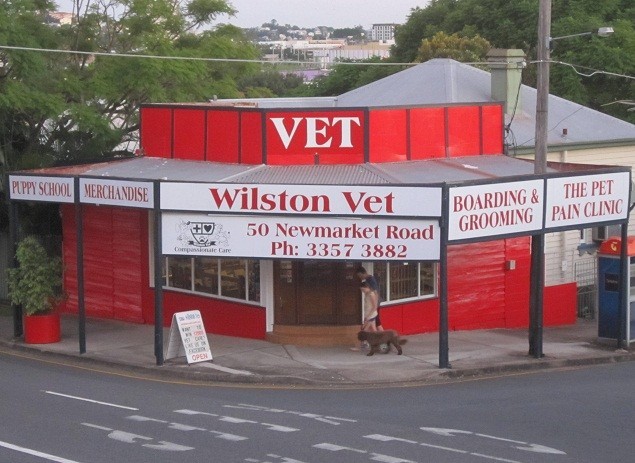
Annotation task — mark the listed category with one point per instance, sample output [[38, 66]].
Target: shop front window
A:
[[228, 278], [180, 272], [232, 278], [206, 275], [405, 280]]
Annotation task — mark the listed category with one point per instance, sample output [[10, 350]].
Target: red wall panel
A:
[[251, 143], [492, 122], [220, 316], [112, 271], [388, 141], [156, 131], [560, 304], [223, 136], [476, 285], [464, 131], [189, 134], [427, 133], [128, 280], [518, 251]]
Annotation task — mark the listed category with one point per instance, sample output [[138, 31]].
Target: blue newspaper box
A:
[[609, 277]]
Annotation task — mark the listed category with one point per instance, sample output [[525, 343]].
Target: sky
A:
[[310, 13]]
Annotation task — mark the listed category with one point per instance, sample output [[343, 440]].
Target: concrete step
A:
[[314, 335]]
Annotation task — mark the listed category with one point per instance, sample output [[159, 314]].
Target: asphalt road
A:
[[53, 412]]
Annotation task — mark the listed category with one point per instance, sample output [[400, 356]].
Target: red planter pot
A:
[[42, 329]]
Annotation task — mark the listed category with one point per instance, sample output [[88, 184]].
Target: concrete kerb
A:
[[121, 348], [179, 371]]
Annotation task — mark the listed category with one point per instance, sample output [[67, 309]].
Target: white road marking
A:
[[90, 400], [36, 453], [541, 449], [229, 437], [388, 458], [334, 420], [130, 438], [284, 459], [226, 369], [336, 448], [490, 457], [231, 419], [382, 438], [537, 448], [275, 427], [441, 447], [177, 426], [194, 412], [169, 446], [445, 432], [500, 438]]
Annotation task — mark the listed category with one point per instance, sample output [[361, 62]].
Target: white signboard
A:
[[193, 339], [116, 192], [368, 200], [495, 209], [292, 237], [587, 199], [48, 189]]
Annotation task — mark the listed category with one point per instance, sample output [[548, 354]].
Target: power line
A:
[[575, 67], [591, 74], [191, 58]]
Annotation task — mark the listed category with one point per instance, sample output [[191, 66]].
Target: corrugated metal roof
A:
[[445, 81], [424, 172], [363, 174]]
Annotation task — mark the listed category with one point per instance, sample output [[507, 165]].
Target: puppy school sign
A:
[[188, 337]]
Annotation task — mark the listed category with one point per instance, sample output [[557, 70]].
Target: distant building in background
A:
[[384, 33], [56, 18], [323, 52]]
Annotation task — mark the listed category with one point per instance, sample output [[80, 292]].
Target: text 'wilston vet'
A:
[[253, 200]]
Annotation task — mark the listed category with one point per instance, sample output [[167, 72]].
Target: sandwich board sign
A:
[[188, 337]]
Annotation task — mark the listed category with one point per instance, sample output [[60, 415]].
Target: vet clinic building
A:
[[258, 216]]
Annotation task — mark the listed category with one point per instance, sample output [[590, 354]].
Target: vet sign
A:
[[188, 337]]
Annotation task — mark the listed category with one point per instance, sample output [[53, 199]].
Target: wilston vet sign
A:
[[301, 221]]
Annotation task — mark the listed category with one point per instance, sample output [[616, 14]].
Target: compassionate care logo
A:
[[202, 234]]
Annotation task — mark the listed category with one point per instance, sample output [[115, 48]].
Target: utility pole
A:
[[537, 278]]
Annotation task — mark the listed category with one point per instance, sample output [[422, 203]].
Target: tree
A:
[[348, 75], [57, 107], [453, 46]]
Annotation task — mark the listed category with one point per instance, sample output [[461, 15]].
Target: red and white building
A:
[[258, 216]]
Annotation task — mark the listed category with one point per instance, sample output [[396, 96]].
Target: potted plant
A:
[[36, 284]]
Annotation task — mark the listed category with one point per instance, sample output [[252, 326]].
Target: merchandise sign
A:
[[495, 209], [188, 337], [48, 189], [291, 237], [281, 199], [587, 199], [116, 193]]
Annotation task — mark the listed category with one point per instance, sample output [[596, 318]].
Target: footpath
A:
[[113, 345]]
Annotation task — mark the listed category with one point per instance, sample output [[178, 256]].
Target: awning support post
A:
[[158, 278]]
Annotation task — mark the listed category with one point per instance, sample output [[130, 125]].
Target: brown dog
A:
[[377, 338]]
